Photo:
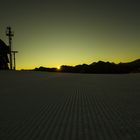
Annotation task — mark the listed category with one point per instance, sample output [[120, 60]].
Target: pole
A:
[[10, 34], [14, 54]]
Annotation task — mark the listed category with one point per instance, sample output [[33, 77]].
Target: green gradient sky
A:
[[53, 33]]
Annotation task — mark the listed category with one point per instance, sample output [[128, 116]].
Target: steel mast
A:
[[10, 34]]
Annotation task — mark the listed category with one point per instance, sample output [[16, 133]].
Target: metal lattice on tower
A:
[[10, 34]]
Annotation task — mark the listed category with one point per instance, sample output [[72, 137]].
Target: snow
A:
[[64, 106]]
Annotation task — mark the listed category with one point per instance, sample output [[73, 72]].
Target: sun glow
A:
[[58, 67]]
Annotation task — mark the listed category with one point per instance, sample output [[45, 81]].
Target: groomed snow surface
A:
[[61, 106]]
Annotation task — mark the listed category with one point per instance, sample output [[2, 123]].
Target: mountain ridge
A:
[[98, 67]]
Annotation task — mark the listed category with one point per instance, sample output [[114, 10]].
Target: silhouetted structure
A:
[[12, 53], [4, 51], [10, 34]]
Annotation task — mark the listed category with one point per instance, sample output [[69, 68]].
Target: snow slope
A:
[[61, 106]]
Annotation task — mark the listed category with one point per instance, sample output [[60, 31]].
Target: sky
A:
[[52, 33]]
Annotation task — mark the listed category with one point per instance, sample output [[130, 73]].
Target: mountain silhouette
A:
[[99, 67]]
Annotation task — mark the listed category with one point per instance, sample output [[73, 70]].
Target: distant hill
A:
[[98, 67], [133, 66], [135, 63]]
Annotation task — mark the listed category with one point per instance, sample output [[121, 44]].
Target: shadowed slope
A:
[[70, 107]]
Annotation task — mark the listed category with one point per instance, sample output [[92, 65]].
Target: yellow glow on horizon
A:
[[73, 46], [58, 67], [88, 61]]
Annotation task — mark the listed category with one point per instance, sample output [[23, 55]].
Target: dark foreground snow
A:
[[55, 106]]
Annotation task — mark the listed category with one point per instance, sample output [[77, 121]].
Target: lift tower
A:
[[10, 34], [14, 55]]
